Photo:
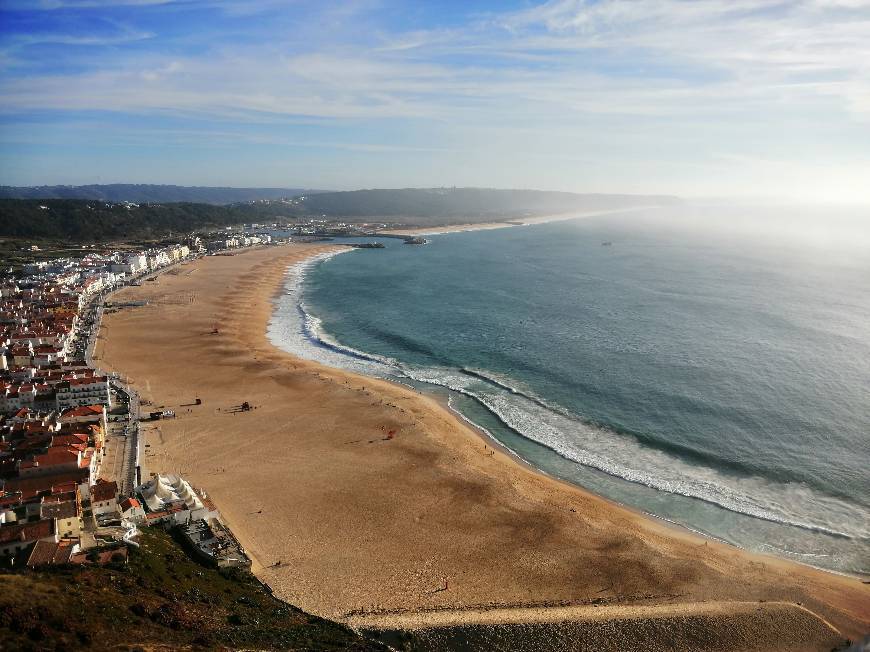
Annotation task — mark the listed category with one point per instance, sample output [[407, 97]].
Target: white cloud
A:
[[574, 81], [710, 55], [126, 36]]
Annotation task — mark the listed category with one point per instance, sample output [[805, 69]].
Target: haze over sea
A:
[[709, 365]]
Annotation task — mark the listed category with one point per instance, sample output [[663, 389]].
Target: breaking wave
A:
[[621, 455]]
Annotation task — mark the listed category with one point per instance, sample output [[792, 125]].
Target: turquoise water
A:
[[699, 368]]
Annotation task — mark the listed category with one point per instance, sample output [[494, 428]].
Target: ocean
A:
[[707, 365]]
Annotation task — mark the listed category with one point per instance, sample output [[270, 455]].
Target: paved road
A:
[[122, 440], [124, 443]]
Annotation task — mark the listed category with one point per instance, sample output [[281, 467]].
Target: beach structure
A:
[[170, 499], [213, 542]]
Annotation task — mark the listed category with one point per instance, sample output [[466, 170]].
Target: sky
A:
[[705, 98]]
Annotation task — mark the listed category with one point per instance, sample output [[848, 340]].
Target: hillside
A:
[[89, 221], [465, 204], [80, 220], [149, 193], [161, 599]]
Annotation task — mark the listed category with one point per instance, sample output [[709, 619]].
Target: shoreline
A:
[[678, 528], [511, 222], [293, 284], [518, 490], [491, 440]]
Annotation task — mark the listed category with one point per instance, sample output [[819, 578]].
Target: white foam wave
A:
[[624, 457], [296, 330], [313, 329]]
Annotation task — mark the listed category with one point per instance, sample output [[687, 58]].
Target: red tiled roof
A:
[[59, 510], [87, 380], [70, 439], [56, 455], [49, 552], [26, 532], [129, 503], [104, 490], [64, 487], [104, 555], [32, 486], [83, 411]]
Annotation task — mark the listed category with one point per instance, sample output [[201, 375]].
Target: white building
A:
[[103, 496], [83, 391], [132, 264], [173, 496], [132, 510]]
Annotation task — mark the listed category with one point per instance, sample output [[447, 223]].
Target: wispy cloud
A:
[[239, 7], [685, 77], [120, 38], [53, 5], [760, 43], [651, 57]]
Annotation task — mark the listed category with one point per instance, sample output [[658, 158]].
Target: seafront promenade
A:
[[348, 522]]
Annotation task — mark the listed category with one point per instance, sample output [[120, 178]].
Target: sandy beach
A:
[[508, 222], [383, 508]]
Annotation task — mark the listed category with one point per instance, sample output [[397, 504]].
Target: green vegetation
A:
[[15, 252], [86, 221], [161, 598], [91, 221], [148, 193]]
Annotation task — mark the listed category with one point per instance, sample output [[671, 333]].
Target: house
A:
[[132, 264], [48, 553], [93, 414], [76, 392], [67, 515], [84, 414], [55, 460], [30, 489], [104, 497], [15, 539], [132, 510]]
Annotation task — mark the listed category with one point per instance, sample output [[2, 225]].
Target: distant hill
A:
[[81, 220], [149, 193], [464, 204]]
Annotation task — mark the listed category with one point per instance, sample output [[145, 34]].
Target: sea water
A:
[[707, 365]]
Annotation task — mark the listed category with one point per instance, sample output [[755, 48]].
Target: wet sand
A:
[[379, 503]]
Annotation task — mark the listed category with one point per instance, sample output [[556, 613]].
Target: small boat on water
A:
[[607, 244]]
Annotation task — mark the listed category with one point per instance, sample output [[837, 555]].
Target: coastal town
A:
[[72, 489], [103, 499]]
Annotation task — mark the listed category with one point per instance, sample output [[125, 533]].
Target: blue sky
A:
[[743, 98]]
